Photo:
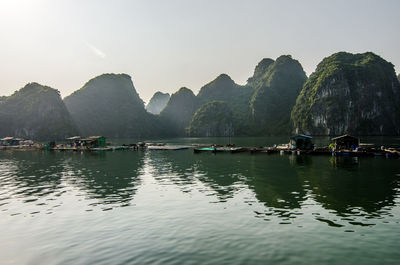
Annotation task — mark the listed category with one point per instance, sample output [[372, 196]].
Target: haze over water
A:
[[177, 207], [248, 68]]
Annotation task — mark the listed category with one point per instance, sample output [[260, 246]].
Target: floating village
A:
[[345, 145]]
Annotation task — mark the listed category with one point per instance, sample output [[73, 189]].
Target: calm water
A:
[[176, 207]]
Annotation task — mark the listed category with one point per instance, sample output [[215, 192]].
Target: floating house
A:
[[74, 140], [10, 141], [346, 142], [301, 142], [94, 141]]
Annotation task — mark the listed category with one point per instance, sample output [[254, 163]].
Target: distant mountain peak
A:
[[33, 86], [260, 70], [216, 88], [159, 93], [179, 109], [158, 102], [108, 105], [276, 88], [224, 77], [184, 90], [108, 77], [264, 63]]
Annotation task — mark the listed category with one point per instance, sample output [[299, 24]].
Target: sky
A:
[[165, 45]]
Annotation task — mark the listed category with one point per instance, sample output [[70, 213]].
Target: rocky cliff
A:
[[179, 110], [157, 102], [276, 87], [35, 112], [109, 105], [350, 93], [214, 118]]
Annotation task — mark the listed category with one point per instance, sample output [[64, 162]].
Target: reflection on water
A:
[[357, 190], [42, 177], [349, 190], [110, 179]]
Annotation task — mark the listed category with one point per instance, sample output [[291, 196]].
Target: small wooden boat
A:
[[237, 149], [219, 149], [167, 147], [205, 149], [118, 148], [101, 149]]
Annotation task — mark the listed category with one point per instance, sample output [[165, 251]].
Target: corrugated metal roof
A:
[[73, 138], [344, 136], [301, 135], [95, 137]]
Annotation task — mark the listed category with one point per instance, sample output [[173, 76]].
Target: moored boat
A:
[[219, 149], [167, 147]]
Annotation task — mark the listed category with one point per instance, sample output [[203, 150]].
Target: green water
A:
[[177, 207]]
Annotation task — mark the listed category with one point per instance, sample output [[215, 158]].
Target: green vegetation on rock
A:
[[260, 72], [157, 102], [350, 93], [214, 118], [223, 88], [35, 112], [277, 85]]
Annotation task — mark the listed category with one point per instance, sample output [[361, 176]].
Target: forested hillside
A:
[[35, 112]]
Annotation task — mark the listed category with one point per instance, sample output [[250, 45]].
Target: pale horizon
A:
[[167, 45]]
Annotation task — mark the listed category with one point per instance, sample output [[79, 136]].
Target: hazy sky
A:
[[165, 45]]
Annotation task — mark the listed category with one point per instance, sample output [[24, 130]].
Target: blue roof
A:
[[301, 136]]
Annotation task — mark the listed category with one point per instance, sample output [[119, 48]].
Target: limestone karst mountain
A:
[[350, 93], [179, 110], [35, 112], [157, 102], [277, 85], [109, 105]]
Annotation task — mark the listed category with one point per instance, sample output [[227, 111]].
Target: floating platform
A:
[[364, 151], [389, 153], [94, 149]]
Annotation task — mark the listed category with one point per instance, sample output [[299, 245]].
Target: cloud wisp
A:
[[96, 51]]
